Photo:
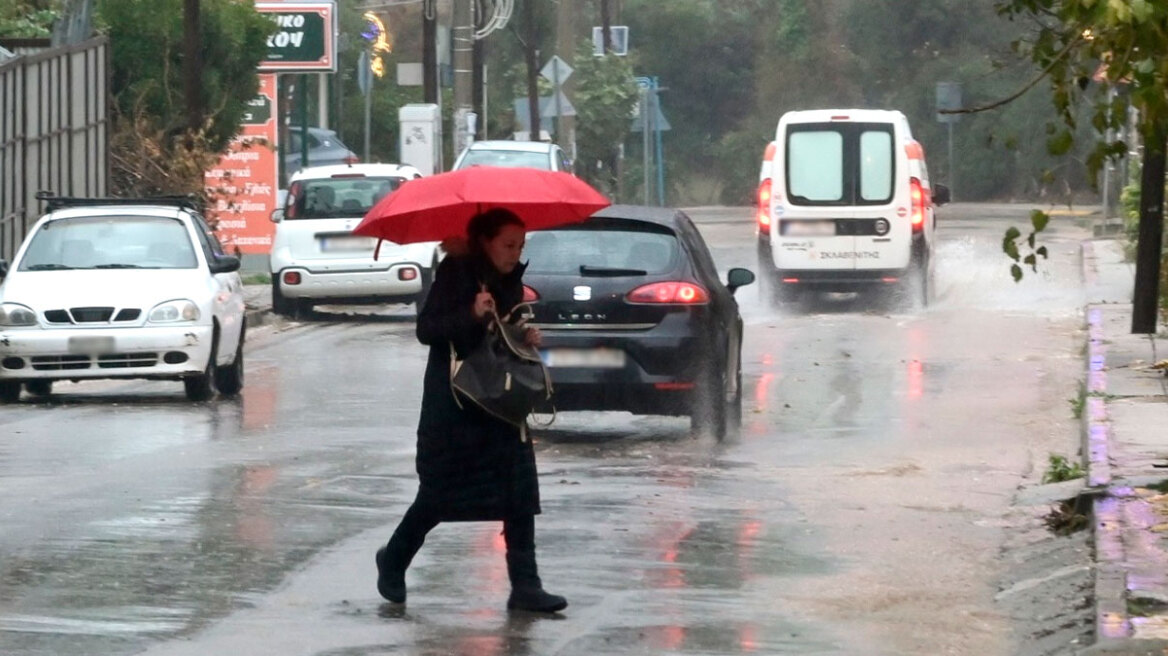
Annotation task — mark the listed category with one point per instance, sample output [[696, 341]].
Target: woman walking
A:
[[471, 466]]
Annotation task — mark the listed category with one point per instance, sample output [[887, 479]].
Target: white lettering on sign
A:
[[286, 39], [290, 20]]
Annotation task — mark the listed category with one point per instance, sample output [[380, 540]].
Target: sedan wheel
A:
[[39, 387], [9, 392], [280, 305], [201, 387], [710, 409], [229, 379]]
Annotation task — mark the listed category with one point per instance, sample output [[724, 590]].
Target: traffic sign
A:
[[364, 73], [556, 70]]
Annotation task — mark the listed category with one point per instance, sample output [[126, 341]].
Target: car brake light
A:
[[917, 193], [347, 175], [669, 293], [764, 207], [840, 117], [407, 274], [352, 159], [530, 295], [291, 277], [790, 281]]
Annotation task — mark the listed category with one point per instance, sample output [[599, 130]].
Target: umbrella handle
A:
[[377, 251]]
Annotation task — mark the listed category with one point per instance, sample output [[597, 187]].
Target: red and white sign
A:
[[243, 186]]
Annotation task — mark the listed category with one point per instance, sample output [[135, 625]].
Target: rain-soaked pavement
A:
[[863, 509]]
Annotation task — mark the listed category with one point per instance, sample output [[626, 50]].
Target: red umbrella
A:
[[439, 206]]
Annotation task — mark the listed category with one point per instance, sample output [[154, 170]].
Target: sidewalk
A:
[[1125, 448], [258, 301]]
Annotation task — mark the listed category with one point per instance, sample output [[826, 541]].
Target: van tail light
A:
[[764, 207], [917, 193], [352, 159], [669, 293], [530, 295]]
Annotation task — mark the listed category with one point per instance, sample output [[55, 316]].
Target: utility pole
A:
[[566, 49], [531, 54], [430, 51], [478, 84], [463, 38], [1148, 248], [606, 26], [192, 65]]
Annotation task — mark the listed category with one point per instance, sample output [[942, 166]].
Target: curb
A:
[[1112, 623], [1111, 618]]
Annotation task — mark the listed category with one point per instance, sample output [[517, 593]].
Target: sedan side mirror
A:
[[225, 264], [739, 278], [277, 216], [941, 194]]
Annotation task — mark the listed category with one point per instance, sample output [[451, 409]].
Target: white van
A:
[[848, 206]]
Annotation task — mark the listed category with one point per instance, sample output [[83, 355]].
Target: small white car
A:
[[315, 258], [115, 288], [530, 154]]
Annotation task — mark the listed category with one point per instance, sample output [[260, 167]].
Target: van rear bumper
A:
[[836, 280]]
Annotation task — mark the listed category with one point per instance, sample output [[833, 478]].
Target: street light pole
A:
[[463, 37]]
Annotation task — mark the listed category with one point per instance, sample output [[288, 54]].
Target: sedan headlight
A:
[[14, 314], [174, 311]]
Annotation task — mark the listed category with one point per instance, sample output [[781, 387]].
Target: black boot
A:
[[391, 575], [527, 591], [393, 559]]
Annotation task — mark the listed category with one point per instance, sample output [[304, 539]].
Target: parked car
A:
[[315, 259], [635, 318], [116, 288], [324, 149], [532, 154], [848, 206]]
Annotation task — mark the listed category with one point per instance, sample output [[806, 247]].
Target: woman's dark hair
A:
[[485, 226]]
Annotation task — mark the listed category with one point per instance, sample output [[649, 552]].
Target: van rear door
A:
[[883, 214], [813, 199]]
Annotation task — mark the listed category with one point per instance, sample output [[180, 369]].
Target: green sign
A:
[[303, 40]]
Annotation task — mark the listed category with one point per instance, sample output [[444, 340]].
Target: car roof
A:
[[320, 172], [75, 211], [852, 115], [517, 146], [662, 216]]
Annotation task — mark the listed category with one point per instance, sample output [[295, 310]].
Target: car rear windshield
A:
[[510, 158], [576, 250], [337, 198], [110, 242], [840, 163]]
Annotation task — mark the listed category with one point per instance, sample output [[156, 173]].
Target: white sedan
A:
[[121, 289]]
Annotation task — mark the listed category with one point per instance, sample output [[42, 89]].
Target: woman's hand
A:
[[484, 303], [533, 337]]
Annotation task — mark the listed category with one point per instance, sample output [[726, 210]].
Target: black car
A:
[[635, 318]]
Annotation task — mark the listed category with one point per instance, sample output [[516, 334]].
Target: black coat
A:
[[471, 466]]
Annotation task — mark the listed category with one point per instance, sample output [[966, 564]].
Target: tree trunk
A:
[[192, 65], [1151, 235]]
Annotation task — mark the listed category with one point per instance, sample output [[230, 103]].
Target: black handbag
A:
[[502, 375]]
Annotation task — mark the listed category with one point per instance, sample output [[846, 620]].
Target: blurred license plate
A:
[[595, 358], [91, 345], [345, 244], [809, 228]]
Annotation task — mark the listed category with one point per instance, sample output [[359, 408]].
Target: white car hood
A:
[[119, 288]]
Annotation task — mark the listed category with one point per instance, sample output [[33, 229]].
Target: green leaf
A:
[[1061, 143], [1030, 240], [1012, 234], [1039, 220], [1016, 272], [1032, 261], [1042, 251]]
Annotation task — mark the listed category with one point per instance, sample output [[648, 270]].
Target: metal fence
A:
[[54, 131]]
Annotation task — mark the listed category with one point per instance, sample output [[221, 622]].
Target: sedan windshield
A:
[[607, 252], [110, 242]]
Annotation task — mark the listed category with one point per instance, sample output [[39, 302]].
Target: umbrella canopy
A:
[[440, 206]]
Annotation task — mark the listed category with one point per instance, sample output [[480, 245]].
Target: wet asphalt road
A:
[[861, 510]]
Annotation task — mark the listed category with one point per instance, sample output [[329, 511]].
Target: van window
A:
[[840, 163], [875, 166], [815, 166]]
